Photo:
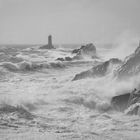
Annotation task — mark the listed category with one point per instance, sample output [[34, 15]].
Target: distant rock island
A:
[[49, 45], [88, 50]]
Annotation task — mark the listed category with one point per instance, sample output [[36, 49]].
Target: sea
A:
[[39, 99]]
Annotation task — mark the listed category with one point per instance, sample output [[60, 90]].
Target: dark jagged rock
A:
[[130, 66], [120, 102], [87, 50], [49, 45], [68, 58], [129, 102], [99, 70], [134, 97], [134, 103], [82, 47], [134, 110], [64, 59], [60, 59], [75, 51]]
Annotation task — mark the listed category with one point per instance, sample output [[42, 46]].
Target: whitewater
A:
[[40, 100]]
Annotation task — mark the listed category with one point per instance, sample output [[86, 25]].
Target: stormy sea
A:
[[71, 92]]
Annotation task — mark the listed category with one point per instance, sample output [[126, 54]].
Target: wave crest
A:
[[30, 66], [90, 103], [20, 111]]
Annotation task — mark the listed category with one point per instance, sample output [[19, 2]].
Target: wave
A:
[[24, 66], [19, 111], [102, 106], [31, 66], [9, 58]]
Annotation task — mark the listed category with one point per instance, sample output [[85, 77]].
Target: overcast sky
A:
[[69, 21]]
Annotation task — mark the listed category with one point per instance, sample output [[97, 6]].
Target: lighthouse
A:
[[49, 45], [50, 40]]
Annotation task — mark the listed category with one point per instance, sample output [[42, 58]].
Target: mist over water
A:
[[38, 95]]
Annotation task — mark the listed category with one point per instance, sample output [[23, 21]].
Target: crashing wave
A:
[[10, 66], [15, 59], [99, 70], [9, 58], [19, 111], [91, 104], [31, 66]]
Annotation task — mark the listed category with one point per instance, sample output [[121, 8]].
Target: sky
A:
[[68, 21]]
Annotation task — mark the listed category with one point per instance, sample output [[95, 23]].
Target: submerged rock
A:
[[99, 70]]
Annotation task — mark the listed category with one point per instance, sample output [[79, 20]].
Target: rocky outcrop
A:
[[120, 102], [68, 58], [87, 50], [130, 66], [134, 103], [64, 59], [47, 47], [76, 51], [128, 103], [99, 70], [60, 59], [133, 110]]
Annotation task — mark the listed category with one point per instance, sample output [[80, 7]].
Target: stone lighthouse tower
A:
[[50, 40], [49, 45]]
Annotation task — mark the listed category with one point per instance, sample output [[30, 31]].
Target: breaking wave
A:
[[90, 103], [31, 66], [19, 111]]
